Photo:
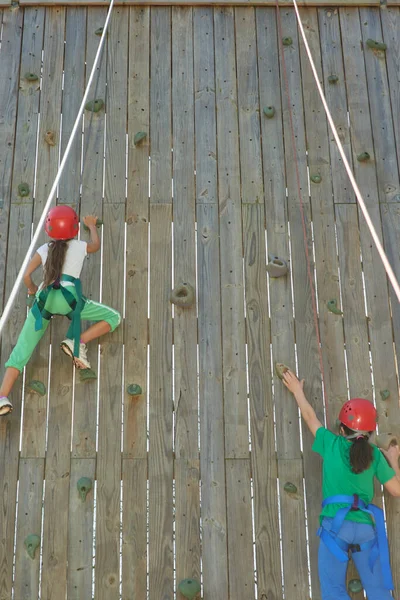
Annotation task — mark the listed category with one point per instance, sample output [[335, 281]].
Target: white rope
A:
[[360, 199], [14, 291]]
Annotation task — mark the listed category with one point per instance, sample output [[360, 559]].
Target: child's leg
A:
[[332, 575], [95, 331], [107, 319], [372, 580], [10, 377]]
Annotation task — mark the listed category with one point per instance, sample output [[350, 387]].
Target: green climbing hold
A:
[[287, 41], [87, 375], [139, 137], [385, 394], [37, 387], [355, 586], [94, 105], [280, 369], [374, 45], [134, 389], [316, 178], [84, 486], [99, 31], [333, 78], [269, 111], [363, 157], [31, 77], [32, 543], [332, 306], [290, 488], [189, 588], [99, 223], [182, 295], [23, 190]]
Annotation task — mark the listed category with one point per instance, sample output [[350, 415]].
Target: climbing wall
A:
[[190, 478]]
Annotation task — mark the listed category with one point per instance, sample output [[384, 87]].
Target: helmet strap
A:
[[358, 434]]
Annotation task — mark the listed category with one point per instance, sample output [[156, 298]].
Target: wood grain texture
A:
[[390, 26], [163, 3]]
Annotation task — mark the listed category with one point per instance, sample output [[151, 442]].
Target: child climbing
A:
[[349, 523], [59, 294]]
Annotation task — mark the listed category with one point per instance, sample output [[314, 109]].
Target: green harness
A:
[[76, 305]]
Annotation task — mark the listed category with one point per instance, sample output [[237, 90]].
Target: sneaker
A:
[[81, 361], [5, 406]]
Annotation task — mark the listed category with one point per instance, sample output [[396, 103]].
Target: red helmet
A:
[[62, 223], [358, 414]]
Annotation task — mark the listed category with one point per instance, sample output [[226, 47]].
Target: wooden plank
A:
[[80, 531], [390, 26], [29, 522], [134, 529], [57, 473], [73, 90], [332, 63], [160, 417], [283, 3], [137, 235], [232, 289], [85, 405], [107, 566], [9, 72], [263, 457], [240, 542], [383, 125], [116, 108], [391, 229], [160, 106]]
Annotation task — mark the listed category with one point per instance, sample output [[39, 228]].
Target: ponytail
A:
[[55, 261], [361, 451]]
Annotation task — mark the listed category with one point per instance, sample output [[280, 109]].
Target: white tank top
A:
[[74, 258]]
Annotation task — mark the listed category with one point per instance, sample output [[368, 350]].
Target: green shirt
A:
[[338, 478]]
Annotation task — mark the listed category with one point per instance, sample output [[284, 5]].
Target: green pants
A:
[[56, 305]]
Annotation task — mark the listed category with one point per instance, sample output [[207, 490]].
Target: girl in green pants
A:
[[59, 294]]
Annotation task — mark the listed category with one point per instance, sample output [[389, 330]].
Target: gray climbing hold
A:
[[363, 157], [333, 78], [182, 295], [87, 375], [84, 486], [374, 45], [32, 543], [189, 588], [277, 267], [139, 137], [49, 138], [31, 77], [94, 105], [99, 223], [287, 41], [385, 394], [280, 369], [37, 387], [269, 111], [23, 190], [332, 306], [134, 389], [316, 178], [355, 586], [290, 488]]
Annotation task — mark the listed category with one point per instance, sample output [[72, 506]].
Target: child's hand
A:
[[293, 384], [90, 220], [392, 454], [32, 290]]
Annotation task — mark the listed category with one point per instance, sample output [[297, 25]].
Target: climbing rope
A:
[[32, 246]]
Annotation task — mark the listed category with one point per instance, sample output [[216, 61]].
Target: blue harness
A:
[[378, 545]]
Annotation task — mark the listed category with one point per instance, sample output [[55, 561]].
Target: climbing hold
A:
[[139, 137], [37, 387], [84, 486], [277, 267], [287, 41], [385, 394], [134, 389], [280, 369], [316, 178], [363, 157], [49, 138], [332, 306], [94, 105], [355, 586], [290, 488], [99, 31], [333, 78], [182, 295], [23, 190], [99, 223], [269, 111], [374, 45], [385, 440], [31, 77], [32, 543], [87, 375], [189, 588]]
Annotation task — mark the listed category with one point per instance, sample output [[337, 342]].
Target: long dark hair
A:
[[361, 451], [55, 261]]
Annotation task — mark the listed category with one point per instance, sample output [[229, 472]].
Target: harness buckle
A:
[[355, 506], [354, 548]]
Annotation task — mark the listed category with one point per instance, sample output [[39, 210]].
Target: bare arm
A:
[[33, 264], [307, 412], [94, 244]]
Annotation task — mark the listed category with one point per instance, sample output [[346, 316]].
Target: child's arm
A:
[[94, 244], [33, 264], [307, 412]]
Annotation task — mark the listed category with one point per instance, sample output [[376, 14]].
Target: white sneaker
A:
[[81, 361], [5, 406]]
